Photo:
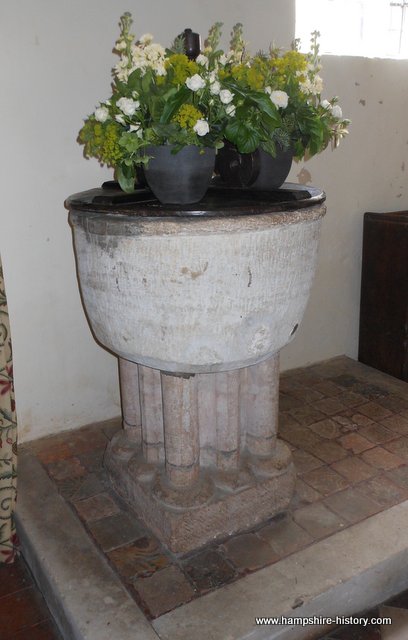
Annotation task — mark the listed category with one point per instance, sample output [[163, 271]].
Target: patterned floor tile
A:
[[352, 505], [116, 531], [140, 558], [247, 552], [96, 507], [381, 458], [325, 480], [384, 490], [354, 469], [318, 520], [355, 443], [164, 590], [208, 570], [285, 536], [326, 429]]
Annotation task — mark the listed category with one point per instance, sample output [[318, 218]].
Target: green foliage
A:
[[270, 100]]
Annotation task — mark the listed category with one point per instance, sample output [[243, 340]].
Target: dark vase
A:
[[182, 177], [257, 170]]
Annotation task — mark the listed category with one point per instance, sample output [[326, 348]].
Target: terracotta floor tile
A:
[[208, 570], [326, 428], [304, 494], [286, 420], [140, 558], [330, 406], [91, 485], [305, 461], [394, 403], [371, 391], [354, 469], [329, 451], [110, 427], [116, 531], [300, 437], [86, 439], [397, 424], [355, 443], [96, 507], [307, 415], [248, 552], [14, 577], [306, 394], [325, 480], [350, 399], [164, 590], [352, 505], [24, 608], [401, 601], [381, 458], [305, 377], [328, 389], [46, 630], [346, 381], [383, 490], [358, 419], [399, 447], [92, 460], [400, 476], [377, 433], [66, 469], [54, 453], [374, 411], [318, 520], [288, 401], [285, 536]]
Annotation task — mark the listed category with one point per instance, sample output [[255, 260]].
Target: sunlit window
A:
[[371, 28]]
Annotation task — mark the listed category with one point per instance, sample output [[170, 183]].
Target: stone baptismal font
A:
[[197, 301]]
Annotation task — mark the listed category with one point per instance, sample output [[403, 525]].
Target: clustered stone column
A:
[[199, 447]]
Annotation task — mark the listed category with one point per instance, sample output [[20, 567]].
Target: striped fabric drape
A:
[[8, 436]]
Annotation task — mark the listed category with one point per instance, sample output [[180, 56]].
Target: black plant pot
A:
[[182, 177], [257, 170]]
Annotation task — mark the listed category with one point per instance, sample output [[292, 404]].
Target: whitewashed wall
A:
[[56, 56]]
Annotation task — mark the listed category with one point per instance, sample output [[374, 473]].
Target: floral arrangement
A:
[[160, 96]]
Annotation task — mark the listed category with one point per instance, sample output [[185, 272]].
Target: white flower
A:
[[201, 127], [137, 128], [222, 59], [121, 45], [230, 110], [212, 76], [215, 88], [226, 96], [202, 60], [120, 119], [101, 114], [315, 86], [146, 38], [336, 111], [195, 82], [160, 70], [128, 106], [325, 104], [268, 90], [279, 98]]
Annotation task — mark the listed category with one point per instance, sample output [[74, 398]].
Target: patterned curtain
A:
[[8, 436]]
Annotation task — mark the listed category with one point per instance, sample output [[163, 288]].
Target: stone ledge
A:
[[344, 574]]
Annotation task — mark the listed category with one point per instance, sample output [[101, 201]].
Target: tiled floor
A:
[[348, 428], [23, 612]]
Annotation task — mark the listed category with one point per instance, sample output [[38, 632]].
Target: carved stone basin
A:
[[197, 302]]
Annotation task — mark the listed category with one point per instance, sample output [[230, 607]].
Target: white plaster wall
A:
[[368, 172], [56, 58]]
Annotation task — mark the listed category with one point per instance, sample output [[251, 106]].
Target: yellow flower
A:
[[187, 116], [179, 68]]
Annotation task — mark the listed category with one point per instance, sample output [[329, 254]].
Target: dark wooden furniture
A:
[[384, 293]]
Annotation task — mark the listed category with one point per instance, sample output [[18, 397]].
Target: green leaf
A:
[[134, 80], [243, 135], [174, 103], [266, 106], [126, 177]]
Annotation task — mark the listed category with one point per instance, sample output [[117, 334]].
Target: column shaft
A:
[[129, 391], [181, 432], [152, 413], [262, 406]]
